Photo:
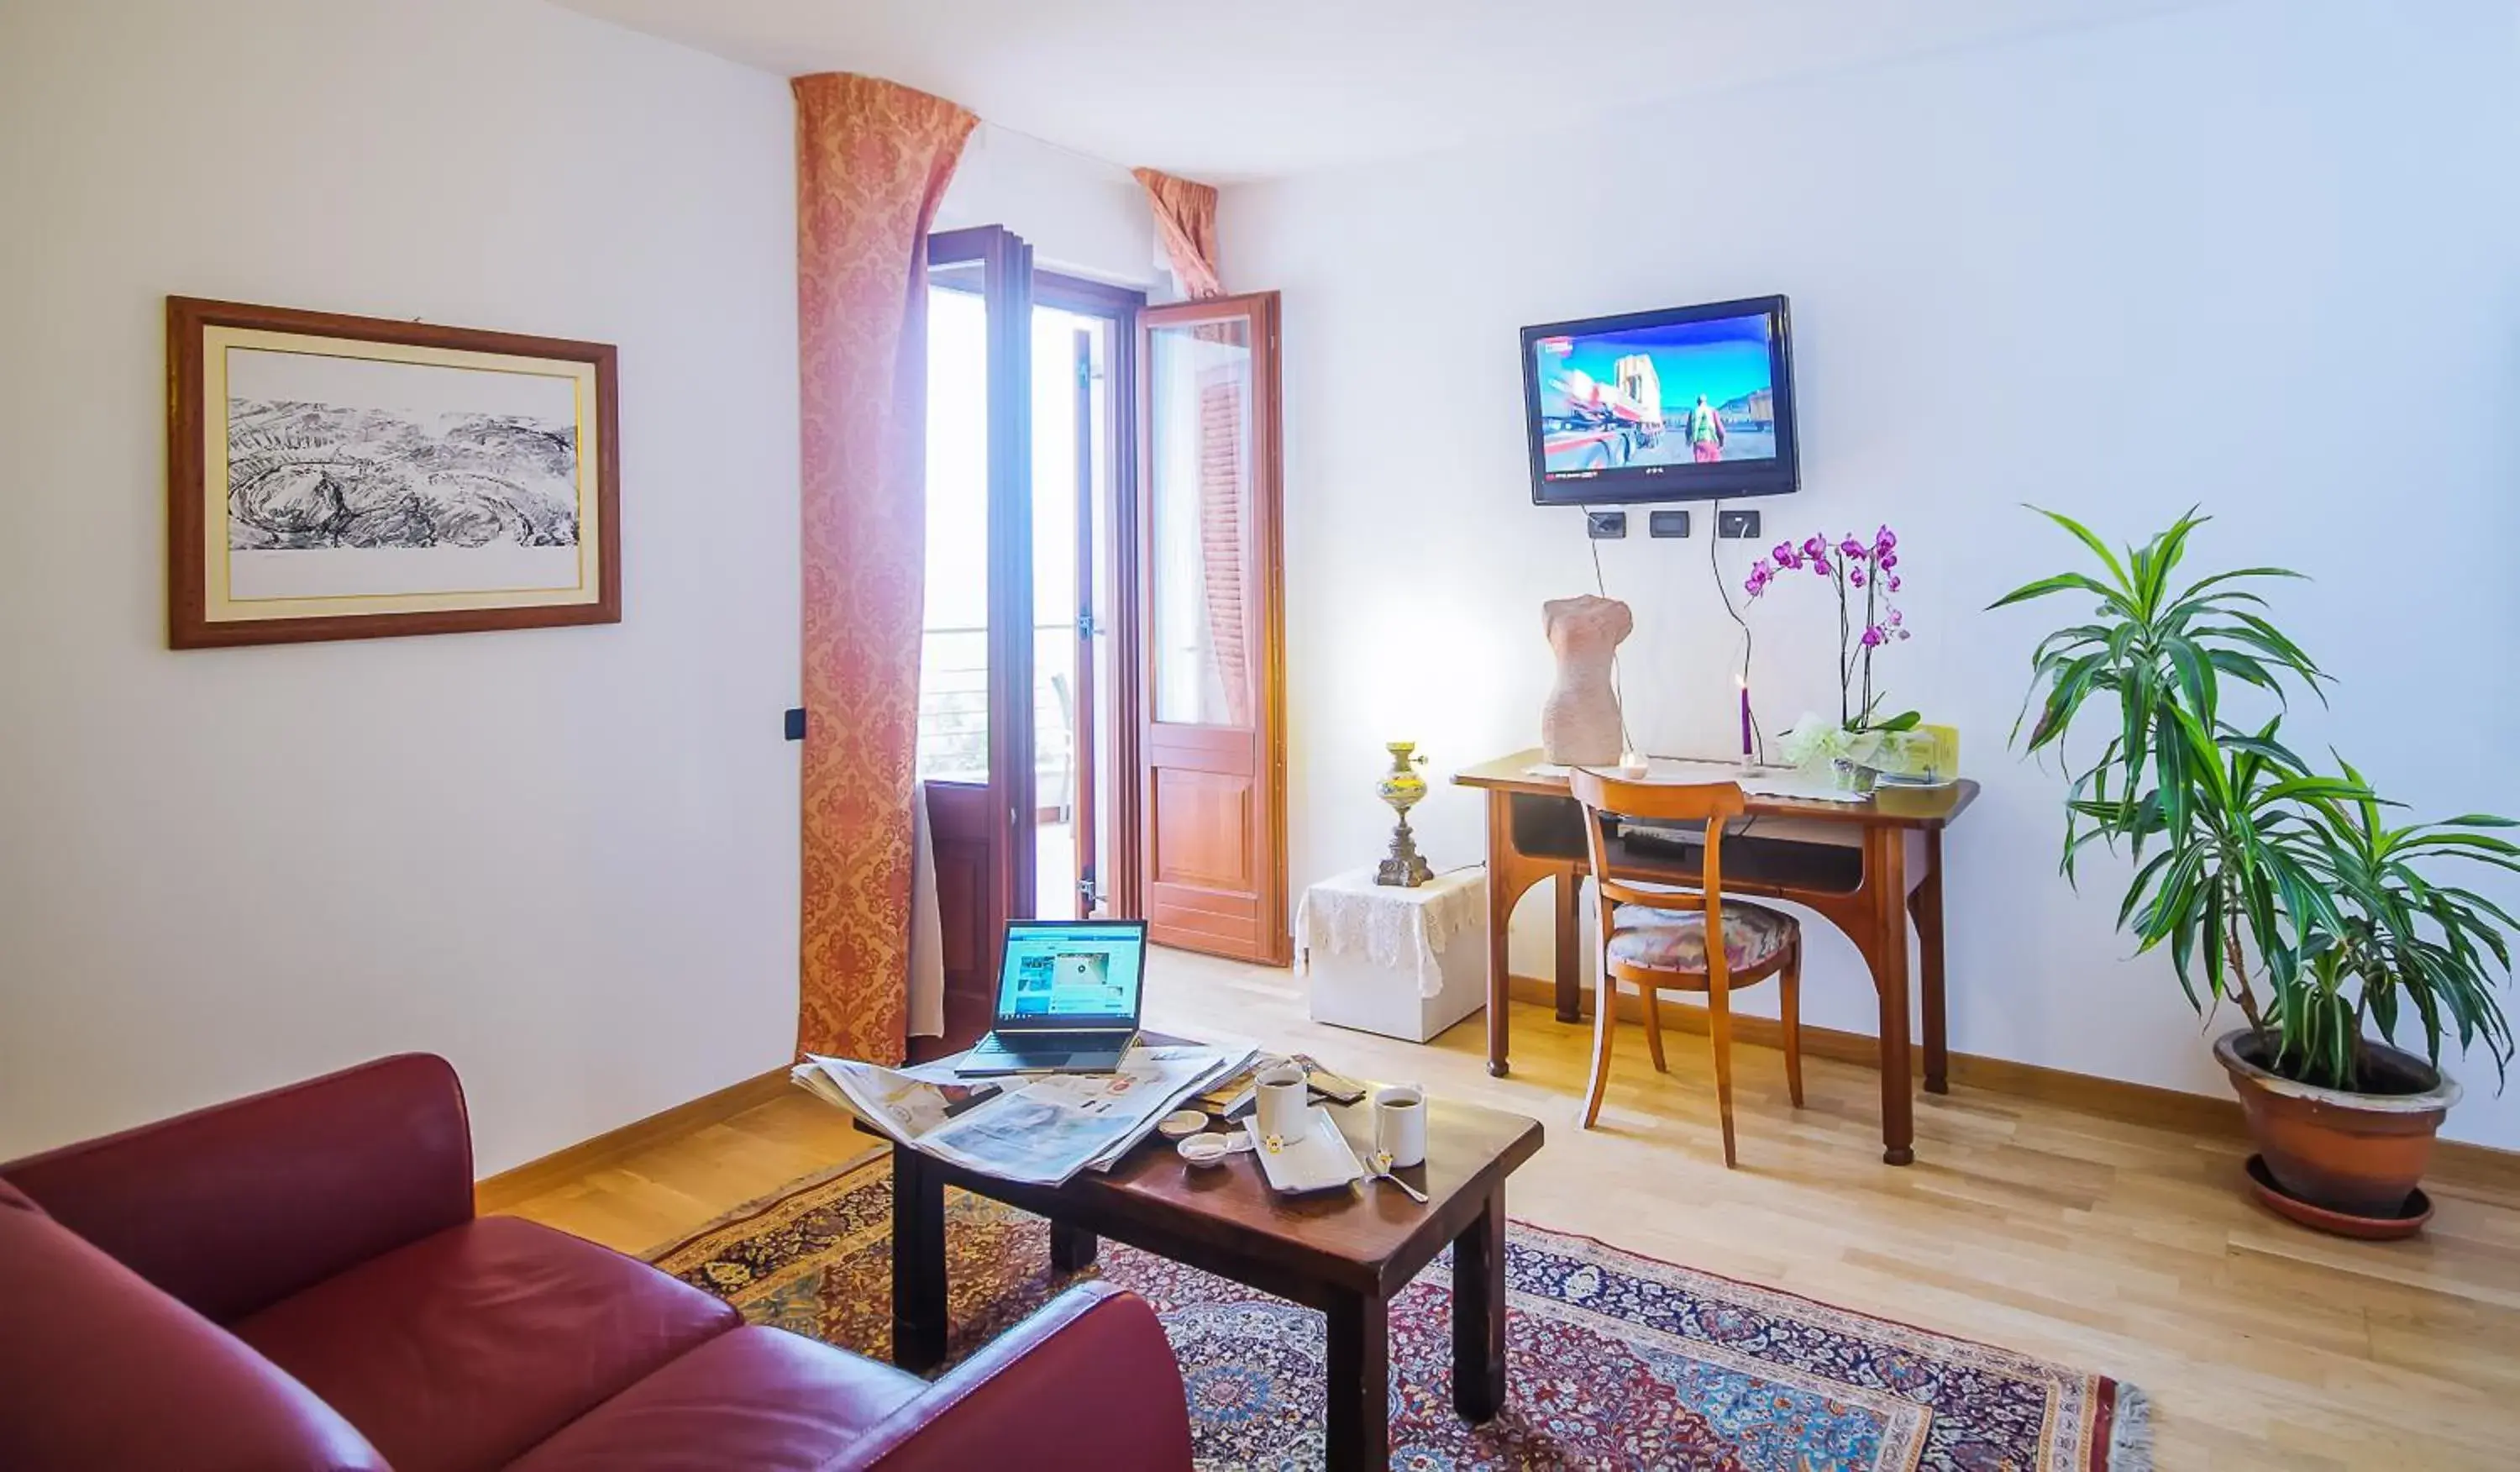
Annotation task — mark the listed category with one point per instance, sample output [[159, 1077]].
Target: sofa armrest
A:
[[1089, 1384], [100, 1369], [232, 1207]]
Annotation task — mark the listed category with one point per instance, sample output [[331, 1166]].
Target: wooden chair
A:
[[1655, 938]]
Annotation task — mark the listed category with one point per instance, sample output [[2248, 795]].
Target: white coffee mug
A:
[[1400, 1124], [1282, 1104]]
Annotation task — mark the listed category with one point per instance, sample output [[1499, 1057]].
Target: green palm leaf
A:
[[2271, 884]]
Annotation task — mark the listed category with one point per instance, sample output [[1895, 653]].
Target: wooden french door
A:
[[1100, 354], [1212, 729], [980, 782]]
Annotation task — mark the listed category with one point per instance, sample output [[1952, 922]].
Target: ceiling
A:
[[1233, 92]]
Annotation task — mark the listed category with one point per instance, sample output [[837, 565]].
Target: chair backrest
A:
[[1711, 802]]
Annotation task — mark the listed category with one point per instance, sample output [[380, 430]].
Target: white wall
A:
[[566, 858], [2265, 257], [1081, 215]]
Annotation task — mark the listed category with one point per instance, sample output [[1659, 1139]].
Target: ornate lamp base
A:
[[1404, 866]]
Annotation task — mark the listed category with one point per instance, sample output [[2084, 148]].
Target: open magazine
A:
[[1040, 1129]]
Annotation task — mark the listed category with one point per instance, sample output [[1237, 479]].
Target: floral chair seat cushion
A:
[[1676, 939]]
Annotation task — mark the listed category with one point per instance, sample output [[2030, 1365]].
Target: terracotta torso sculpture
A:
[[1580, 724]]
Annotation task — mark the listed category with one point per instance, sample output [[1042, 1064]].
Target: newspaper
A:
[[1039, 1130]]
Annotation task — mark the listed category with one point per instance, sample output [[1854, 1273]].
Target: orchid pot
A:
[[1830, 752]]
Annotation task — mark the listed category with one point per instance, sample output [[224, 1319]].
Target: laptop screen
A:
[[1072, 974]]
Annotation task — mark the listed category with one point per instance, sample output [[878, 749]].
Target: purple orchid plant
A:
[[1866, 578]]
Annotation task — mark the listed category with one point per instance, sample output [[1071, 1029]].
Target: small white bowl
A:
[[1180, 1123], [1204, 1149]]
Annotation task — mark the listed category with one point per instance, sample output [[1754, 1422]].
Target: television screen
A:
[[1690, 404]]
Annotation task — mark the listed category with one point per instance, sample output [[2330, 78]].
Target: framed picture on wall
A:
[[352, 478]]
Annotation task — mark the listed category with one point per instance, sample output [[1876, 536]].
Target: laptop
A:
[[1067, 999]]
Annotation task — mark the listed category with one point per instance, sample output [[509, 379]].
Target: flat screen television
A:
[[1690, 404]]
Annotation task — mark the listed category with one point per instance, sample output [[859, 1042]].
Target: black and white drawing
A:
[[304, 475], [353, 476]]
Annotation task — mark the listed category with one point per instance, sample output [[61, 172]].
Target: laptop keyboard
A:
[[1054, 1043]]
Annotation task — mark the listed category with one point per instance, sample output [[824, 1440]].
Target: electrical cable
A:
[[1759, 737], [1618, 691]]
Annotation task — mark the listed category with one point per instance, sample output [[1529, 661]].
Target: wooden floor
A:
[[2111, 1246]]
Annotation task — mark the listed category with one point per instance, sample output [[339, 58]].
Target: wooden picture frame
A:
[[331, 477]]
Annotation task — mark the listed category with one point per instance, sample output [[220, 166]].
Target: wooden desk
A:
[[1870, 890]]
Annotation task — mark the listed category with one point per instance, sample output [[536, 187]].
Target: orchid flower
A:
[[1864, 576]]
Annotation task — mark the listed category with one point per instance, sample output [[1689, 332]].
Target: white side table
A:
[[1402, 962]]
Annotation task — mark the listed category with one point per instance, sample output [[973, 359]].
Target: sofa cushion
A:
[[100, 1369], [756, 1399], [465, 1348]]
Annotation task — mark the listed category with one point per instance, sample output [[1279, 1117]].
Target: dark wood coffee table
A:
[[1346, 1252]]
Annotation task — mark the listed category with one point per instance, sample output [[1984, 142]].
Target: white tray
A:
[[1322, 1160]]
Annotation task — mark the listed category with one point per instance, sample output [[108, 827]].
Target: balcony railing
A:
[[954, 708]]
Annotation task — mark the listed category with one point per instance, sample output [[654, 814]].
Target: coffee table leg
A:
[[1359, 1386], [917, 1263], [1478, 1312], [1071, 1249]]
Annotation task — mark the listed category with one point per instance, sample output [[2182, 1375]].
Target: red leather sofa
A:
[[296, 1281]]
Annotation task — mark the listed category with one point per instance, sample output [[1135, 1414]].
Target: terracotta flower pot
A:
[[2358, 1154]]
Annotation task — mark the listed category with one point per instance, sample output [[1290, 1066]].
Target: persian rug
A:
[[1616, 1360]]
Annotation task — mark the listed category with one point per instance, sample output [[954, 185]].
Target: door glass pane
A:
[[954, 650], [1064, 477], [1200, 391]]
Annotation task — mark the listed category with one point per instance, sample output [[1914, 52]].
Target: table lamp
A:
[[1401, 787]]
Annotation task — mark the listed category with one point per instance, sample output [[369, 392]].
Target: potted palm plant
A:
[[2289, 891]]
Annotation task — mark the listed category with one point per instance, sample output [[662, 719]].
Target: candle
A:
[[1744, 682]]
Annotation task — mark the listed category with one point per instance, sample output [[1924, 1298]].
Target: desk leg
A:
[[1570, 962], [1478, 1312], [1887, 872], [1927, 906], [918, 1264], [1501, 896], [1359, 1422]]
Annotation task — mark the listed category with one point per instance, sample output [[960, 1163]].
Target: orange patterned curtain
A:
[[873, 159], [1185, 220]]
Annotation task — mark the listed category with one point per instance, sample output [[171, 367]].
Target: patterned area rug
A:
[[1617, 1360]]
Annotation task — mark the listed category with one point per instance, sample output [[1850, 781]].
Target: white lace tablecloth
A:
[[1401, 930]]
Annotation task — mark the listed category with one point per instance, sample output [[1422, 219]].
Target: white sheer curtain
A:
[[926, 929]]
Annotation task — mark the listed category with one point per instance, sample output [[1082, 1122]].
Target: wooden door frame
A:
[[1123, 866], [1268, 598], [1084, 720], [1005, 267]]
